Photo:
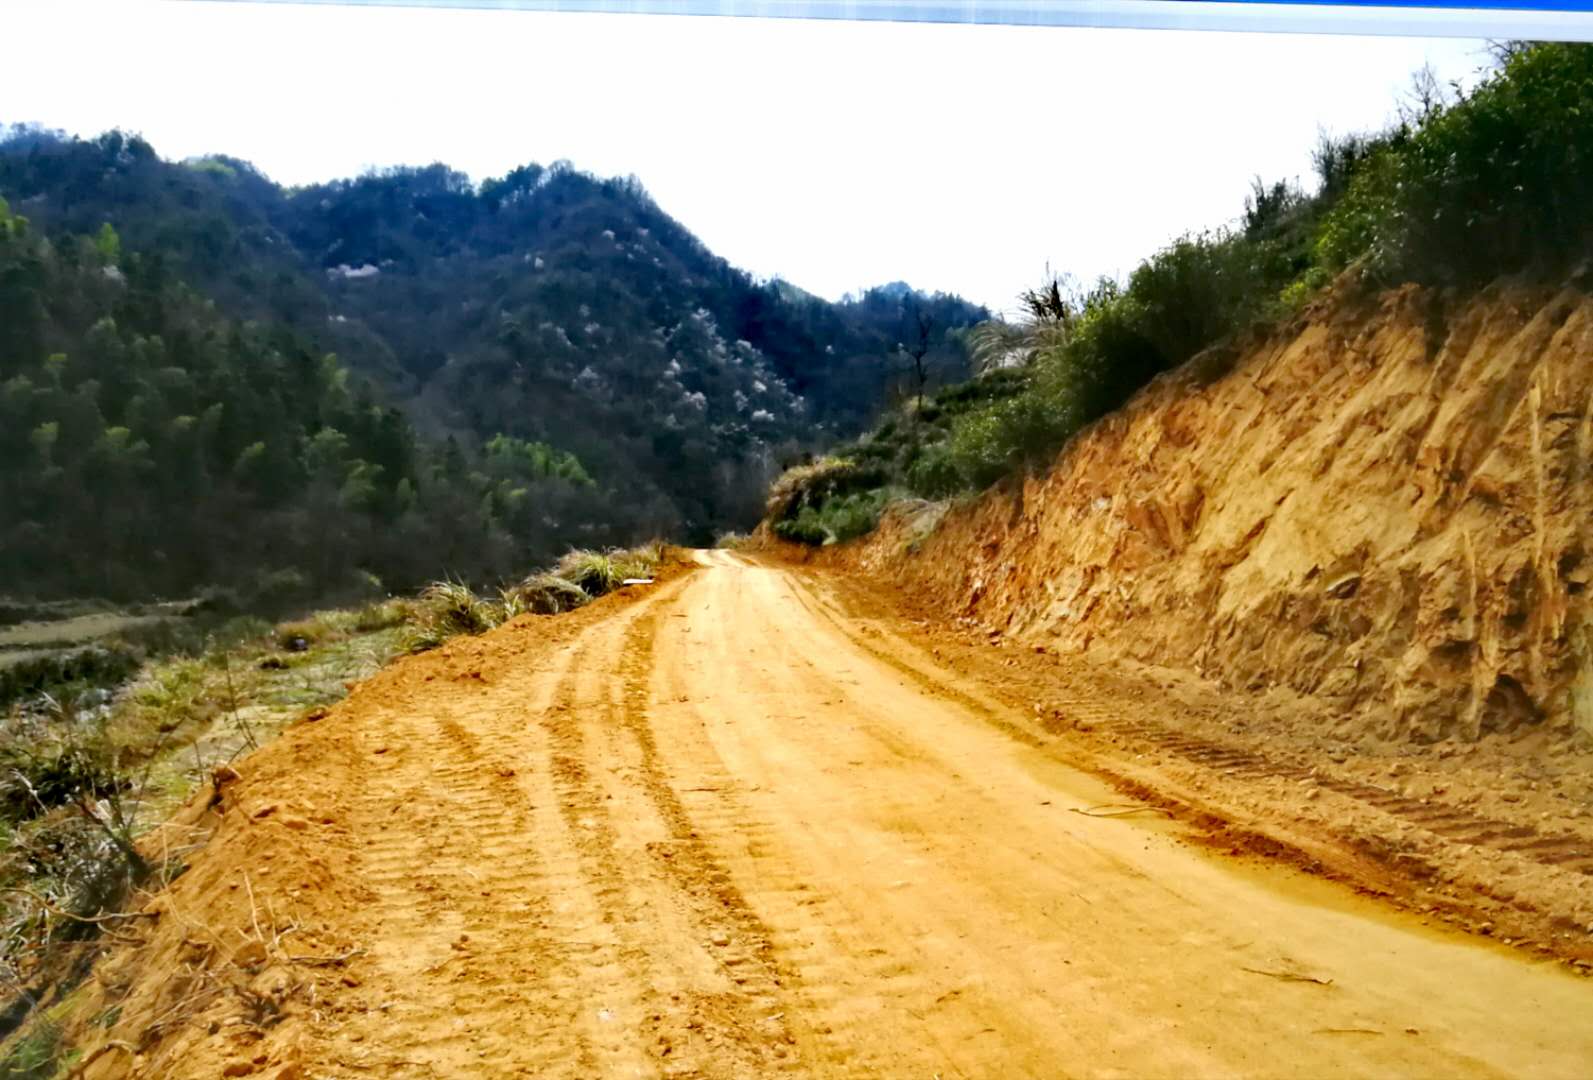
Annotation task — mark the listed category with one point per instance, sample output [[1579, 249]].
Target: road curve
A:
[[719, 833]]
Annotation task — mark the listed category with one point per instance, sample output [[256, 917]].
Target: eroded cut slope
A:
[[1383, 505]]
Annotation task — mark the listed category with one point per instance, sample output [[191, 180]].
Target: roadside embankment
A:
[[1383, 505]]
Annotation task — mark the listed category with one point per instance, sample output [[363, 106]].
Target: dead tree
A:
[[916, 353]]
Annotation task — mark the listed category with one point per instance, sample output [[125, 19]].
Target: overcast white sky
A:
[[836, 155]]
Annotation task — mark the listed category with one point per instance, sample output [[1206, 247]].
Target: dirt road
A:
[[723, 832]]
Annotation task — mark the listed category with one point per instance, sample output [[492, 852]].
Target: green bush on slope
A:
[[1491, 183], [1497, 182]]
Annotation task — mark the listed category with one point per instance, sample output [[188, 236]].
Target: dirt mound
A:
[[1383, 505]]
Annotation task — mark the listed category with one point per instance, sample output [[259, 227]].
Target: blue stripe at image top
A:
[[1543, 20], [1470, 5]]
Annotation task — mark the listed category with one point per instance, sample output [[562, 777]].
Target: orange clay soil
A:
[[1384, 506], [1327, 585], [745, 822]]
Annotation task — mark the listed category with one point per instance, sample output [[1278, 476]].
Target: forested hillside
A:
[[206, 378]]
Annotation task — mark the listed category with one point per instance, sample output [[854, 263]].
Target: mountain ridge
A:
[[546, 306]]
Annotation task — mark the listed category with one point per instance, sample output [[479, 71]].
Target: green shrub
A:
[[1362, 224], [67, 671], [1183, 298], [852, 516], [379, 616], [817, 482], [43, 774], [1009, 435], [593, 572], [1115, 351], [449, 608], [1192, 294], [36, 1055], [1295, 294], [639, 562], [837, 520], [336, 624], [806, 528], [935, 475], [597, 573], [991, 386], [1494, 183]]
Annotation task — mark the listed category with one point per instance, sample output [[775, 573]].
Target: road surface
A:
[[724, 832]]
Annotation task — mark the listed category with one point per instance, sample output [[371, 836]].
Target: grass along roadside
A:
[[449, 608], [88, 781]]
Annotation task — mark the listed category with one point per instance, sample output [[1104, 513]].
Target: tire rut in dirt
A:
[[733, 1028], [458, 864], [1450, 823]]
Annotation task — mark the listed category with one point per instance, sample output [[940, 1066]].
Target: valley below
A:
[[763, 818]]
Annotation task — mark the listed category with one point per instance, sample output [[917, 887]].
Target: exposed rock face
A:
[[1381, 505]]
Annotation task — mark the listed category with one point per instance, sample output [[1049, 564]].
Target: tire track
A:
[[460, 905], [484, 920], [849, 962], [702, 996], [753, 1015], [1449, 823], [621, 987]]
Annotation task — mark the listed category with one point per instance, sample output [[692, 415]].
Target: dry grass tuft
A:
[[543, 594], [597, 573], [449, 608], [446, 609]]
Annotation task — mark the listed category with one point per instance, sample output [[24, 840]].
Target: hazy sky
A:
[[837, 155]]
